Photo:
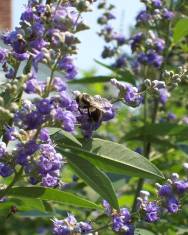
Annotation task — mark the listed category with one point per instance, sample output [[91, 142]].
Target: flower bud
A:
[[144, 195], [185, 166], [147, 83], [175, 176]]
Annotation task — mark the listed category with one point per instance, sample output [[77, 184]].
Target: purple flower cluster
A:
[[148, 48], [5, 163], [121, 220], [168, 200], [43, 42], [150, 211], [155, 12], [47, 34], [39, 159], [169, 196], [172, 192], [70, 226], [113, 39], [129, 94]]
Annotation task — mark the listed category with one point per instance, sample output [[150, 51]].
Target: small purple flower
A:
[[58, 84], [163, 95], [136, 40], [33, 180], [120, 39], [157, 3], [152, 216], [139, 150], [67, 65], [38, 44], [10, 74], [69, 121], [37, 58], [151, 211], [142, 58], [2, 149], [61, 228], [27, 15], [50, 181], [65, 100], [5, 170], [125, 215], [33, 120], [40, 8], [3, 54], [165, 190], [67, 226], [44, 106], [10, 133], [32, 86], [44, 135], [31, 147], [159, 44], [132, 98], [21, 57], [120, 62], [143, 17], [38, 29], [181, 186], [168, 15], [172, 205], [83, 227], [171, 116], [154, 59], [121, 222], [107, 207]]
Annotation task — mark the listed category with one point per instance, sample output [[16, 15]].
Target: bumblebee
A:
[[96, 106]]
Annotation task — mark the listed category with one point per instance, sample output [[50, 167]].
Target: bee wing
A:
[[101, 103]]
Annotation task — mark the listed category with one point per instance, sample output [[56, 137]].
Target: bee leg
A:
[[80, 110], [89, 114]]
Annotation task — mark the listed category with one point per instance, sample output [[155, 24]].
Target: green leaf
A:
[[95, 79], [23, 204], [94, 177], [51, 195], [59, 135], [115, 158], [141, 231], [159, 129], [180, 30], [123, 75]]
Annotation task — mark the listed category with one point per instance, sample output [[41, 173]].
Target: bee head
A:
[[77, 93]]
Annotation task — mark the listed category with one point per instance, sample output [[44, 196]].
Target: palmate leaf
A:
[[51, 195], [94, 177], [114, 158]]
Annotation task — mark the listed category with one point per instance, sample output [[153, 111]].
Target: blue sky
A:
[[91, 45]]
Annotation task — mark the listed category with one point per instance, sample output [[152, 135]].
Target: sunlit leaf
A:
[[94, 177], [51, 195]]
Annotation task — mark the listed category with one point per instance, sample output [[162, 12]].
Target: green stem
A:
[[147, 147]]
